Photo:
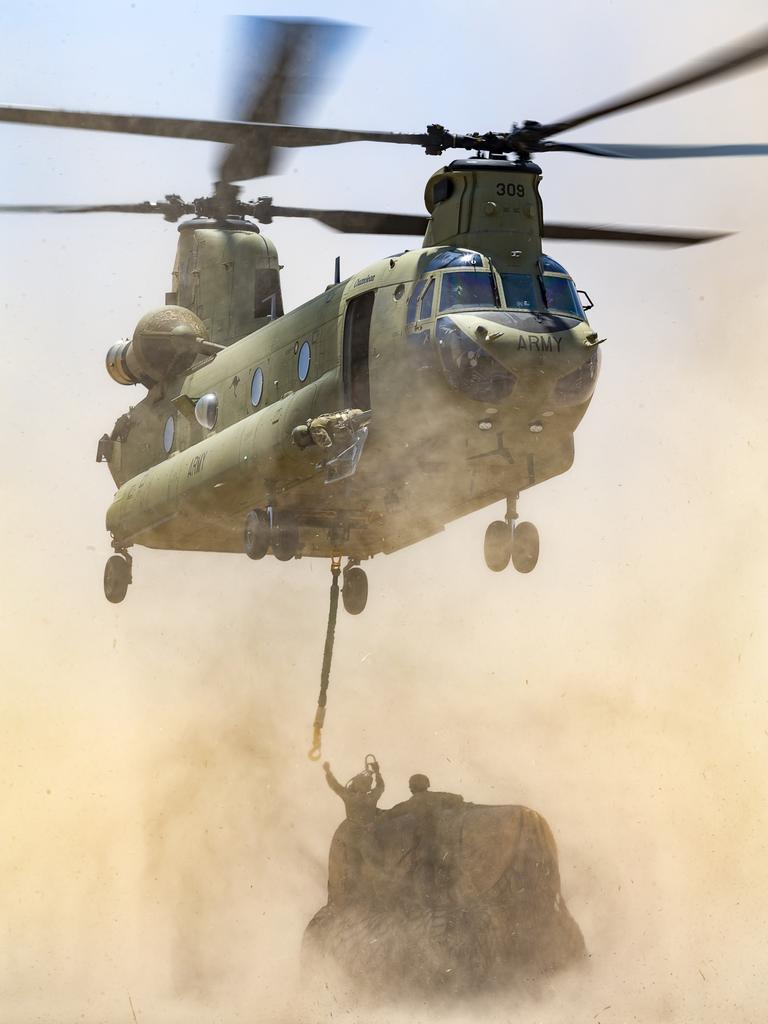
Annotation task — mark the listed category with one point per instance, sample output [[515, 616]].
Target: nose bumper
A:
[[489, 353]]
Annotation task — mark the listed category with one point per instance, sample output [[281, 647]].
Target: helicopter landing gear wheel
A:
[[525, 547], [256, 536], [117, 577], [498, 545], [285, 536], [354, 592]]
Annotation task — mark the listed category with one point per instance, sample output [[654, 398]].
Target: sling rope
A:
[[315, 752]]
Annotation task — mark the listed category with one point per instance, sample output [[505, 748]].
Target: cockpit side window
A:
[[420, 302], [467, 290], [426, 302]]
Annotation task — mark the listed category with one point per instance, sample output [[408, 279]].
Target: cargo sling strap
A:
[[315, 752]]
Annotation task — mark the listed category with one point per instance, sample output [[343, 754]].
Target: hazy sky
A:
[[164, 834]]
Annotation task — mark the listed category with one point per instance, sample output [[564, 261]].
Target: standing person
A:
[[361, 793], [431, 868], [360, 796], [423, 800]]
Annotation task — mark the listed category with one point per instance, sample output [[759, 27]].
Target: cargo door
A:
[[357, 343]]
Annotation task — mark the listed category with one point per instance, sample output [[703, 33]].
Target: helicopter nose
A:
[[518, 338], [489, 353]]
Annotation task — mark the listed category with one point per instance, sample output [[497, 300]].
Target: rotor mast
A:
[[489, 205]]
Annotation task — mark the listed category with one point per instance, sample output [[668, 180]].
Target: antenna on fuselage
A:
[[337, 270]]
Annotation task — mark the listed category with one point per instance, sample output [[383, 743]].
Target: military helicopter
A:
[[264, 431]]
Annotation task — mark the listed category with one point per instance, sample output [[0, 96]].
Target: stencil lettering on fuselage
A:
[[538, 343], [196, 465]]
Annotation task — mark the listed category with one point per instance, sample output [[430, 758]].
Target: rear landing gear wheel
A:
[[117, 576], [354, 592], [285, 537], [525, 547], [498, 545], [256, 535]]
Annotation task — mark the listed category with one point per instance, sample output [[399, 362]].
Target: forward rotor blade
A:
[[360, 222], [632, 236], [161, 208], [632, 151], [738, 56], [232, 132], [282, 67]]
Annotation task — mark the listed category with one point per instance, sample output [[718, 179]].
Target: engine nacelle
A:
[[165, 343]]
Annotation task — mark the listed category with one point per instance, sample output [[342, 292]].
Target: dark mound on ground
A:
[[456, 901]]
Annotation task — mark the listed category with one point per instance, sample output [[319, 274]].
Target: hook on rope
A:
[[315, 752]]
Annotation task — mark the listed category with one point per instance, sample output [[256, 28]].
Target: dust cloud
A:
[[166, 836]]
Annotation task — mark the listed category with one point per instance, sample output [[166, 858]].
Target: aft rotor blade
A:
[[360, 222], [632, 236], [736, 57], [282, 67], [368, 222], [206, 131], [633, 151]]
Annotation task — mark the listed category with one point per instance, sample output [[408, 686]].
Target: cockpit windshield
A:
[[549, 292], [467, 290], [561, 297], [520, 291]]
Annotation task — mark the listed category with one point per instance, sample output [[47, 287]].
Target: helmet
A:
[[418, 783], [360, 783]]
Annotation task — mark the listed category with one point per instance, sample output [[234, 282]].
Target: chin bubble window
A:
[[207, 411], [305, 357], [168, 431], [257, 387]]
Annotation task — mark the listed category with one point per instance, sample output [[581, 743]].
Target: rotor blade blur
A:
[[631, 236], [360, 222], [632, 151], [281, 67], [736, 57], [160, 208], [205, 131]]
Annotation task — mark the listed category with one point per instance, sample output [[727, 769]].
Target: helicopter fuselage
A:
[[476, 367]]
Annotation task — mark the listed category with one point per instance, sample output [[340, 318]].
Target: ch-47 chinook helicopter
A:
[[265, 431]]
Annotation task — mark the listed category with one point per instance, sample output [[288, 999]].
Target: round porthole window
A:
[[168, 431], [207, 410], [257, 387], [305, 355]]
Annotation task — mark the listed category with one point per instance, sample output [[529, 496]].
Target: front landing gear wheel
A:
[[256, 535], [498, 546], [117, 576], [354, 593], [525, 547]]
